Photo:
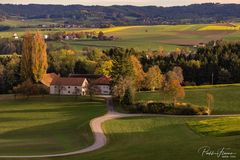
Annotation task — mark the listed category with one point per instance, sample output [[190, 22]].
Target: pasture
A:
[[168, 37], [159, 138], [46, 125], [226, 99]]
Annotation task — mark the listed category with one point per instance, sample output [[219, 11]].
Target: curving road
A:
[[100, 138]]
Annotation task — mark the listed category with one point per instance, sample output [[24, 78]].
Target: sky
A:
[[119, 2]]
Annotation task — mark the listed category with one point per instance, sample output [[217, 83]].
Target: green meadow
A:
[[226, 98], [159, 138], [47, 125]]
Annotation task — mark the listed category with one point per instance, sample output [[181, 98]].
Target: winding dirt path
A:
[[100, 138]]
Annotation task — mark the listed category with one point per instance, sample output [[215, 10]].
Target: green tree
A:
[[1, 78], [129, 96], [11, 72], [122, 67]]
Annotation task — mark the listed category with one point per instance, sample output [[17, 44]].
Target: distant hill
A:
[[125, 15]]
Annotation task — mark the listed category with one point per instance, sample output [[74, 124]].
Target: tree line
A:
[[217, 62], [96, 16]]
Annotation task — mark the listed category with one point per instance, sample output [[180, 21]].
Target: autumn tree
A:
[[138, 72], [154, 78], [121, 86], [104, 68], [174, 89], [34, 57], [170, 76], [179, 73]]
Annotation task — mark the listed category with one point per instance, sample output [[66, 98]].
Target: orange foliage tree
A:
[[138, 72], [174, 89], [34, 57]]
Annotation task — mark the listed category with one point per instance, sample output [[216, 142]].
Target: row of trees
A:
[[218, 62], [10, 46], [128, 76]]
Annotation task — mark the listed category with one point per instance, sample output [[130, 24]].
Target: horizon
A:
[[170, 3]]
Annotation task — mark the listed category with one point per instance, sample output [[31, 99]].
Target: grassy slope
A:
[[49, 125], [226, 98], [156, 139], [224, 126]]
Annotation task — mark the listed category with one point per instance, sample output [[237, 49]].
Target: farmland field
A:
[[157, 138], [226, 98], [59, 124], [46, 125], [168, 37]]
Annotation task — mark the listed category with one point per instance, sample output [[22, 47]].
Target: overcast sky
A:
[[119, 2]]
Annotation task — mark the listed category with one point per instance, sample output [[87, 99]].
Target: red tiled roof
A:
[[67, 81], [48, 78], [102, 81], [87, 76]]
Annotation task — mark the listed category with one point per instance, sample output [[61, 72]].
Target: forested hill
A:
[[126, 15]]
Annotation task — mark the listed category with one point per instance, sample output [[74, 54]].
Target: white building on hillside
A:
[[102, 86], [69, 86]]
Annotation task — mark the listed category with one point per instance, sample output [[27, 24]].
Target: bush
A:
[[129, 96], [28, 88], [167, 108]]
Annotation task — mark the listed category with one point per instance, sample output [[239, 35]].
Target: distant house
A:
[[67, 38], [46, 36], [69, 86], [102, 86], [15, 36]]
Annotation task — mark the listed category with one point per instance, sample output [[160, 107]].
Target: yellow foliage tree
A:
[[104, 68], [34, 57], [138, 72], [154, 78]]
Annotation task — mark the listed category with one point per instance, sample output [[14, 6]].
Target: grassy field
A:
[[168, 37], [226, 98], [156, 139], [225, 126], [154, 37], [49, 125]]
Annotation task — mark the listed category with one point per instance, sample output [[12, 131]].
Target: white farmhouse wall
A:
[[70, 90], [53, 90], [104, 89]]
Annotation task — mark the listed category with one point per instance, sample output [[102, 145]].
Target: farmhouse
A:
[[102, 85], [69, 86]]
